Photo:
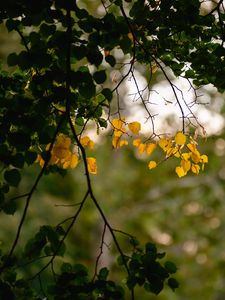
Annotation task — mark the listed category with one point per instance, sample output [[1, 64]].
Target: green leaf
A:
[[79, 121], [34, 38], [87, 90], [20, 140], [103, 273], [190, 74], [18, 160], [173, 283], [150, 247], [30, 157], [81, 13], [100, 98], [66, 267], [78, 52], [94, 57], [131, 281], [102, 122], [80, 269], [9, 207], [98, 112], [170, 267], [35, 245], [12, 24], [121, 260], [110, 59], [100, 76], [134, 242], [155, 286], [12, 59], [47, 30], [24, 60], [13, 177], [107, 93]]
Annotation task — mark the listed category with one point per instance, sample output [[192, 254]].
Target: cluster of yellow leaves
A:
[[66, 155], [178, 147], [186, 151], [120, 128], [62, 154]]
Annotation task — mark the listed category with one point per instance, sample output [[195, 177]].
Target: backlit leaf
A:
[[152, 164]]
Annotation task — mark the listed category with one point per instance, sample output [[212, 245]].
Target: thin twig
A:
[[100, 252]]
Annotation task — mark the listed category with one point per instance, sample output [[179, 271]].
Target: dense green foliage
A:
[[56, 83]]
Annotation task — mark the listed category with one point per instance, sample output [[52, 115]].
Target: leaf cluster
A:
[[147, 270]]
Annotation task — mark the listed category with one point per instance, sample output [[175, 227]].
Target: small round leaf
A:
[[13, 177]]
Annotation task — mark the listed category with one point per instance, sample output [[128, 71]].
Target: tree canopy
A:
[[68, 77]]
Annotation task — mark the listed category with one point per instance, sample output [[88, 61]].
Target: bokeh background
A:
[[184, 217]]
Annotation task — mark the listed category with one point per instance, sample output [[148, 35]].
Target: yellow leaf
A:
[[141, 148], [150, 148], [47, 147], [61, 148], [74, 161], [92, 165], [186, 165], [40, 160], [61, 152], [54, 160], [118, 126], [204, 159], [195, 169], [152, 164], [180, 139], [186, 155], [130, 36], [86, 141], [134, 127], [63, 141], [120, 132], [118, 123], [91, 144], [123, 143], [117, 142], [195, 156], [165, 144], [172, 151], [191, 147], [180, 171], [136, 142]]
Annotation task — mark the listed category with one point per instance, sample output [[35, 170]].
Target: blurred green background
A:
[[184, 217]]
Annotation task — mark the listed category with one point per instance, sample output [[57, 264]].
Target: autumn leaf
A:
[[150, 148], [180, 139], [165, 144], [136, 142], [134, 127], [180, 171], [86, 141], [152, 164], [92, 165]]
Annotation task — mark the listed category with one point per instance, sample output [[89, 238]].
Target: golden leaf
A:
[[134, 127], [180, 139], [152, 164]]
